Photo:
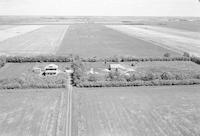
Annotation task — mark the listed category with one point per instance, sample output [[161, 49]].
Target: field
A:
[[29, 112], [100, 37], [173, 39], [90, 40], [44, 40], [152, 111]]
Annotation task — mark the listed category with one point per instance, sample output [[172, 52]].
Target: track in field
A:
[[89, 40], [137, 111]]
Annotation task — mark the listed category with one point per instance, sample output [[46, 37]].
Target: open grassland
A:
[[139, 111], [30, 112], [173, 39], [89, 40], [41, 41]]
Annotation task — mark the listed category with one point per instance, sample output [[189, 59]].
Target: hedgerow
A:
[[139, 83], [195, 60], [52, 58], [34, 81], [21, 59]]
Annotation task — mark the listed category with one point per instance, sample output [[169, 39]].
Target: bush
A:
[[195, 60], [2, 61], [185, 54], [115, 76], [92, 78], [78, 71], [167, 55], [167, 76], [148, 77]]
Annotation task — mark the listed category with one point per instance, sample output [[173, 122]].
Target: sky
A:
[[101, 7]]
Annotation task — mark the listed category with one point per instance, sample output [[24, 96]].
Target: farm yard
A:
[[90, 40], [173, 39], [138, 111], [145, 71], [44, 40], [14, 70], [30, 112]]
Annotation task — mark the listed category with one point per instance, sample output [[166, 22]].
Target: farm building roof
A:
[[51, 66]]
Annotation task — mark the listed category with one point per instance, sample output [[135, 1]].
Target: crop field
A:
[[13, 70], [90, 40], [172, 39], [138, 111], [43, 40], [29, 112]]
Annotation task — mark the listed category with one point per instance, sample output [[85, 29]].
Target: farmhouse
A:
[[50, 69]]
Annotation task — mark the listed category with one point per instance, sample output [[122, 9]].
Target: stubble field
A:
[[142, 111]]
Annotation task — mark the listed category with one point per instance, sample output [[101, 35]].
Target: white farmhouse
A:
[[50, 69]]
